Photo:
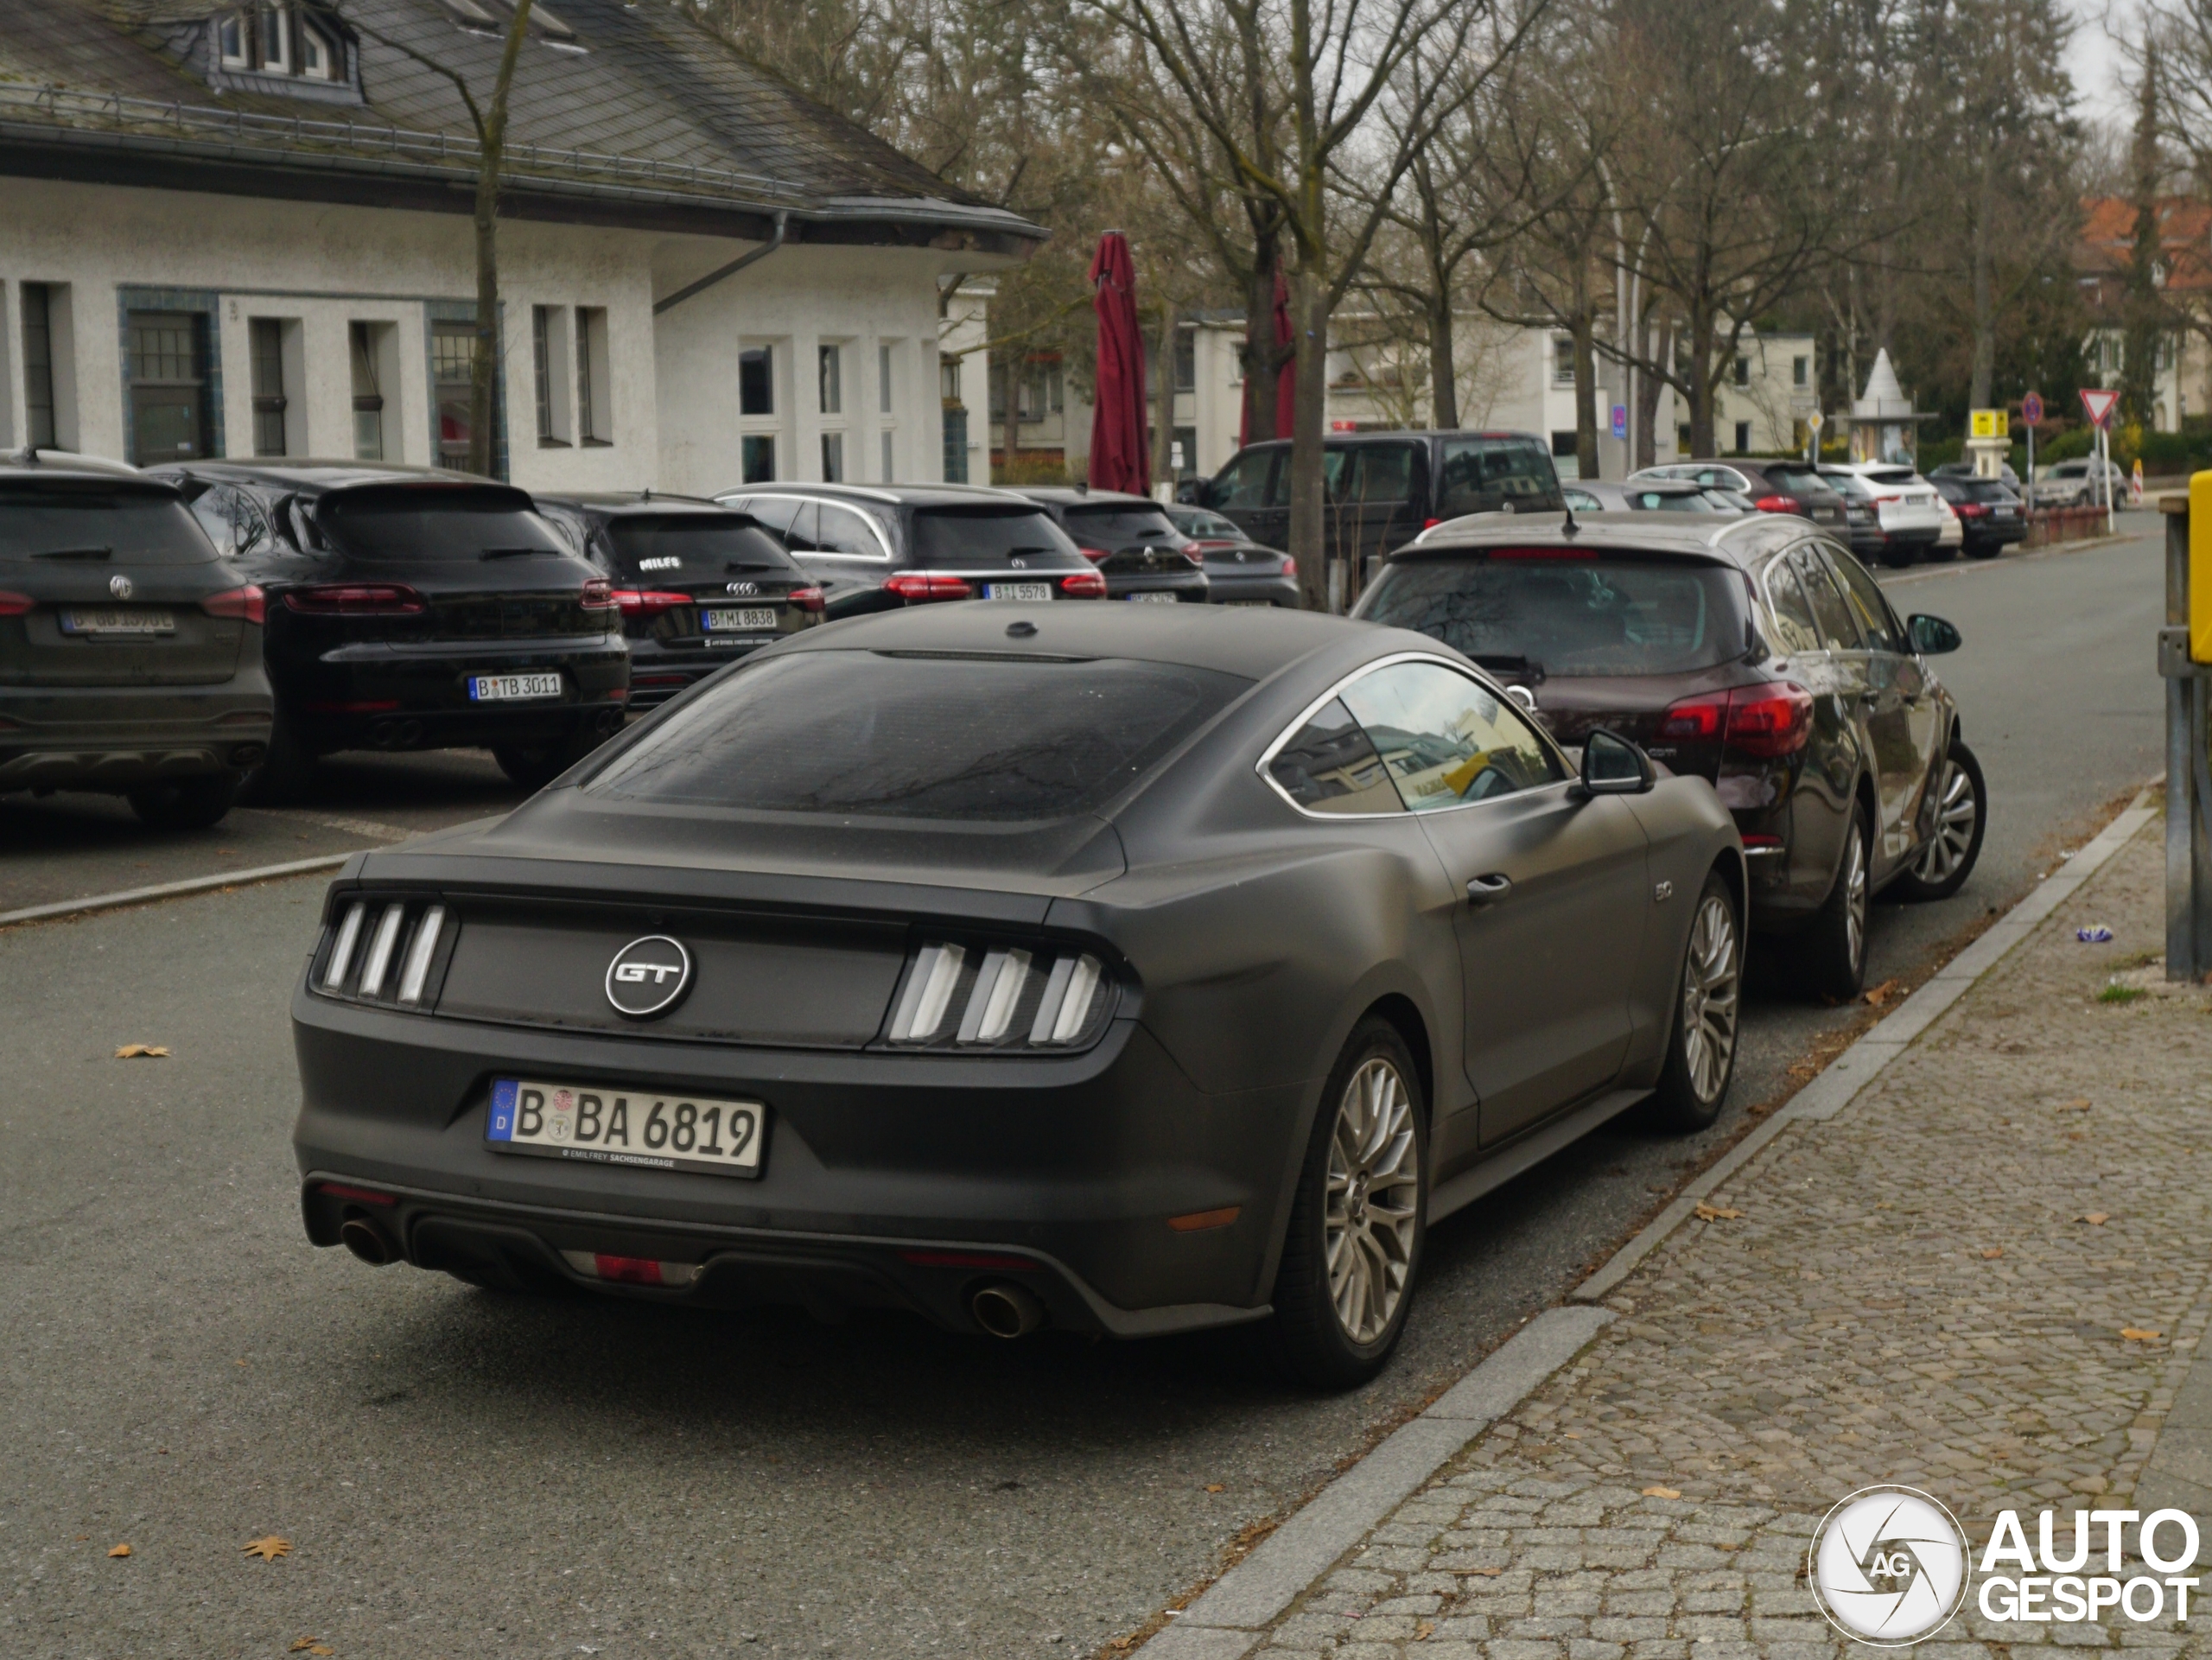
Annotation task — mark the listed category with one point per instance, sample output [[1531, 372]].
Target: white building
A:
[[247, 232], [1518, 378]]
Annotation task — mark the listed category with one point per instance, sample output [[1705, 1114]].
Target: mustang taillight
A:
[[970, 996], [1083, 585], [248, 602], [355, 600], [392, 950], [646, 601], [1765, 721]]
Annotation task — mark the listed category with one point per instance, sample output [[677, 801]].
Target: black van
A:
[[1382, 489]]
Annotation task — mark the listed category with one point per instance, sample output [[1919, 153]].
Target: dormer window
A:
[[278, 40]]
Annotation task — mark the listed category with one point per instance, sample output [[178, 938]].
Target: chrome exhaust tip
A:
[[1007, 1311], [367, 1241]]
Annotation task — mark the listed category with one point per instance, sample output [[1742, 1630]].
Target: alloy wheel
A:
[[1374, 1196], [1710, 981], [1854, 894], [1955, 813]]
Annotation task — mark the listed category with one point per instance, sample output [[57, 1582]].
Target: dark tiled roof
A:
[[653, 104]]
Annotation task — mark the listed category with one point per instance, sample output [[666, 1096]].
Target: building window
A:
[[1800, 370], [549, 347], [833, 376], [169, 385], [595, 383], [38, 366], [948, 380], [452, 346], [833, 458], [1682, 437], [265, 346], [890, 470], [757, 454], [1742, 438], [1186, 360], [756, 385], [276, 40], [319, 57], [369, 345], [1562, 360], [1743, 371], [884, 402], [1042, 392]]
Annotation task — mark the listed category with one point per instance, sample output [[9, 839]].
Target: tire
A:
[[1961, 815], [1701, 1054], [1831, 955], [188, 805], [534, 765], [284, 771], [1984, 550], [1327, 1332], [1898, 557], [1941, 553]]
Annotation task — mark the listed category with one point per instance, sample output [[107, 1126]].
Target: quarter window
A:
[[1444, 739], [1794, 628], [843, 530], [1837, 631], [1330, 766], [1876, 621]]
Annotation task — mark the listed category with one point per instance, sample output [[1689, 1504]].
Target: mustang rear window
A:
[[1570, 616], [436, 522], [61, 520], [974, 738], [991, 538], [691, 544]]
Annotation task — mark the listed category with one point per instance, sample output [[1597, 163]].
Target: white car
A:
[[1907, 509], [2074, 484]]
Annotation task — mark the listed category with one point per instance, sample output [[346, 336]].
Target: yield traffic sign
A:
[[2099, 405]]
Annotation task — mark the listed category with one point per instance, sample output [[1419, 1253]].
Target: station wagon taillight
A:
[[355, 600], [806, 599], [1097, 555], [14, 605], [1083, 585], [1779, 504], [919, 586], [248, 602], [970, 996], [1764, 721], [646, 601]]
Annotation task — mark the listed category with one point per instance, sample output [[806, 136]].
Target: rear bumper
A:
[[658, 672], [113, 739], [1190, 587], [415, 695], [897, 1181], [1232, 590]]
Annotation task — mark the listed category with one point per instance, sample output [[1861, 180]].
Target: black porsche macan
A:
[[1123, 970]]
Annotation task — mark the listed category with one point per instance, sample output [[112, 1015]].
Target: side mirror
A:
[[1192, 493], [1613, 766], [1932, 636]]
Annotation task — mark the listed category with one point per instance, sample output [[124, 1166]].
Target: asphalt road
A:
[[460, 1473]]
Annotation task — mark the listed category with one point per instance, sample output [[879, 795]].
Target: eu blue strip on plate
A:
[[502, 1127]]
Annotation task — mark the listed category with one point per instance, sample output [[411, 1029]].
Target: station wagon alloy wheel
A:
[[1956, 811], [1709, 998], [1854, 895], [1373, 1200]]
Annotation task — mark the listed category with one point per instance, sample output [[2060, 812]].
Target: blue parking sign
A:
[[1620, 420]]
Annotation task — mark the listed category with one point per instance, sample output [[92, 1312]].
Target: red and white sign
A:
[[2099, 405]]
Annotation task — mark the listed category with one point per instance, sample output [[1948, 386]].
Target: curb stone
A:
[[1232, 1617], [172, 890]]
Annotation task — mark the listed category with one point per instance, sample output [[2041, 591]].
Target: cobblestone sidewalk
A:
[[1931, 1289]]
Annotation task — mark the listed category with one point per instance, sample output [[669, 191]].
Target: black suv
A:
[[875, 547], [1382, 489], [129, 653], [1991, 517], [1753, 651], [697, 585], [1131, 540], [411, 609]]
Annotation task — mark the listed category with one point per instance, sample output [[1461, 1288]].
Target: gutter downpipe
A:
[[775, 242]]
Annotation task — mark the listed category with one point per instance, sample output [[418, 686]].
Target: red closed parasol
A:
[[1119, 458]]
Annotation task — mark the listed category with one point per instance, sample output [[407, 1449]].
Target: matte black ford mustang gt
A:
[[1119, 970]]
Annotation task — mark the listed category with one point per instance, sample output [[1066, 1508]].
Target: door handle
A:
[[1483, 890]]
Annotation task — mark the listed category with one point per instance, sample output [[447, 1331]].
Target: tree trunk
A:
[[1163, 380], [1444, 379], [1702, 388], [484, 358], [1309, 311], [1586, 389], [1262, 361], [1012, 421], [1647, 389]]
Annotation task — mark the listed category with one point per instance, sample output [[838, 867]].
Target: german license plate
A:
[[504, 688], [1156, 598], [644, 1128], [1017, 590], [2001, 513], [138, 620], [738, 620]]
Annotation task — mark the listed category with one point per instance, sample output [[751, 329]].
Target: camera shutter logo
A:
[[648, 977], [1888, 1567]]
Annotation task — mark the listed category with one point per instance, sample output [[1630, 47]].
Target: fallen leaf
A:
[[2079, 1103], [304, 1644], [2138, 1335], [1716, 1212], [1993, 1252], [1877, 996], [2095, 1218], [1662, 1492], [268, 1549], [120, 1550], [141, 1051], [1213, 1486], [1572, 1434], [1424, 1629]]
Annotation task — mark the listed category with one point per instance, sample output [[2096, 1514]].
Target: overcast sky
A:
[[2095, 64]]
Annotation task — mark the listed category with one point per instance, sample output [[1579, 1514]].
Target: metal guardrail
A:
[[116, 112]]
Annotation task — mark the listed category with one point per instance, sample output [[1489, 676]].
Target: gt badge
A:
[[648, 977]]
